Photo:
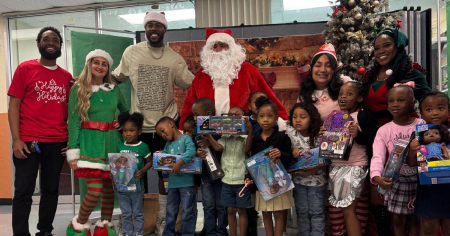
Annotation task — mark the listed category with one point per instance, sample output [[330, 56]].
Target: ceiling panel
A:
[[26, 5], [66, 3]]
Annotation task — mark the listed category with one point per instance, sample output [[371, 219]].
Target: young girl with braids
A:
[[310, 185], [93, 103], [348, 177], [392, 65], [277, 207]]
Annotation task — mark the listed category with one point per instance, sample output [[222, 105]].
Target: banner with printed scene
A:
[[279, 59]]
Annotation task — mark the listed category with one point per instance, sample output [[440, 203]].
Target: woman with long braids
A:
[[93, 103], [392, 65]]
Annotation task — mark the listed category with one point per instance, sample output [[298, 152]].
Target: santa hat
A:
[[155, 16], [100, 53], [213, 35], [328, 49]]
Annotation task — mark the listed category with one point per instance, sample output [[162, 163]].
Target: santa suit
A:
[[237, 94]]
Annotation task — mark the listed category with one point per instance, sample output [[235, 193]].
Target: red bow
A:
[[336, 11], [211, 31], [409, 84], [399, 24]]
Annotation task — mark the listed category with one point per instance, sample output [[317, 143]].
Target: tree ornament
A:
[[361, 71], [399, 24], [351, 3], [389, 72], [358, 16], [375, 30], [363, 1], [376, 3], [340, 65]]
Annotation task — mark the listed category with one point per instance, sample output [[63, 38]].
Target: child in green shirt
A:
[[131, 203]]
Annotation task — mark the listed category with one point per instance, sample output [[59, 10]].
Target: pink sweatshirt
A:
[[385, 139], [358, 155]]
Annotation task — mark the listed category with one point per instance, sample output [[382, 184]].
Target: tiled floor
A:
[[64, 215]]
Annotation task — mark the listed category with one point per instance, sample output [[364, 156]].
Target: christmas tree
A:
[[352, 28]]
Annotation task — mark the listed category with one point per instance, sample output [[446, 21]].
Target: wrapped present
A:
[[336, 142], [269, 175], [307, 160], [164, 161], [433, 154], [123, 172], [216, 125]]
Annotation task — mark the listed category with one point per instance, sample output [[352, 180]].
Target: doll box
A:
[[220, 125], [123, 171], [432, 168], [336, 142], [164, 161], [395, 161], [269, 175], [308, 160]]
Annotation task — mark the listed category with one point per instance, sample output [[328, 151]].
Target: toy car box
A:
[[308, 160], [269, 175], [164, 161], [217, 125]]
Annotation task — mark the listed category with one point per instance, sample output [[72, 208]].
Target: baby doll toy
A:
[[433, 143]]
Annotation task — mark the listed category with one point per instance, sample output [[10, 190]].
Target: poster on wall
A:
[[279, 59]]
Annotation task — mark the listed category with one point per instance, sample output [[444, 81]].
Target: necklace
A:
[[98, 93], [162, 52]]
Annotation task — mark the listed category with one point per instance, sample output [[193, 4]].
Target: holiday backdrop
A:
[[279, 59]]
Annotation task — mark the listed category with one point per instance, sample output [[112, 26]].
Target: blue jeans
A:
[[214, 211], [131, 204], [186, 196], [309, 203]]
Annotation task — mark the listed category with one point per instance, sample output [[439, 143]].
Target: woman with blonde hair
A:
[[93, 102]]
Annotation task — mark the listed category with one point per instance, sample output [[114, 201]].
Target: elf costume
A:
[[89, 143]]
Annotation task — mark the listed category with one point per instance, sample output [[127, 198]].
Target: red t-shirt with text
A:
[[44, 93]]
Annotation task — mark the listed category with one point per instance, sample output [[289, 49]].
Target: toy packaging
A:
[[123, 171], [308, 160], [212, 164], [220, 125], [336, 142], [433, 156], [395, 161], [269, 175], [164, 161]]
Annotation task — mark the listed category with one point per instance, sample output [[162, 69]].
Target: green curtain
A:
[[82, 44]]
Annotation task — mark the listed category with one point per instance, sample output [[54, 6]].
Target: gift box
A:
[[308, 160], [216, 125], [164, 161], [395, 161], [123, 172], [212, 164], [269, 175], [336, 142], [433, 155]]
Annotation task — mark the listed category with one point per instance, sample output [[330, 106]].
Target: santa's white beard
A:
[[223, 66]]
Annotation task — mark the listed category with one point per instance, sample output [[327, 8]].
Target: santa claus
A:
[[226, 78]]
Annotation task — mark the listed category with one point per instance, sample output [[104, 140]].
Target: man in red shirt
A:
[[38, 121]]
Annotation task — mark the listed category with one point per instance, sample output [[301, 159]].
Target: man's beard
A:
[[49, 56], [223, 66]]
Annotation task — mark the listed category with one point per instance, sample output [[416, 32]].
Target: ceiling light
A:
[[289, 5], [175, 15]]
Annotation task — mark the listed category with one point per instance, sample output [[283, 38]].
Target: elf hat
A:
[[155, 16], [328, 49], [213, 35], [100, 53]]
